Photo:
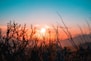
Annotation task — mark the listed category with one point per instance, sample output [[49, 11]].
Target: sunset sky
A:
[[44, 12]]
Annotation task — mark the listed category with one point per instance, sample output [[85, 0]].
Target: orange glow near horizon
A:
[[43, 31]]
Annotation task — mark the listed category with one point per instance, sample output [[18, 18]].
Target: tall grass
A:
[[15, 46], [67, 32]]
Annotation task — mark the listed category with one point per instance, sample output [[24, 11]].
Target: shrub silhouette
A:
[[15, 46]]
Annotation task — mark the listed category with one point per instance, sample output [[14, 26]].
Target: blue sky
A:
[[44, 11]]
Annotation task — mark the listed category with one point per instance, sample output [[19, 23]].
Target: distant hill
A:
[[79, 40]]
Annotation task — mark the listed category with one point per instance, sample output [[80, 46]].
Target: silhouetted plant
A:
[[15, 46]]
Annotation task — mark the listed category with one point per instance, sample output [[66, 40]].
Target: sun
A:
[[43, 30]]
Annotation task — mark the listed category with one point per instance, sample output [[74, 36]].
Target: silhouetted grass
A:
[[15, 46]]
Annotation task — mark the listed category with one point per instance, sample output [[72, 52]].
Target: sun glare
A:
[[42, 30]]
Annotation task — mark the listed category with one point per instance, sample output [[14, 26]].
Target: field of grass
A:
[[15, 46]]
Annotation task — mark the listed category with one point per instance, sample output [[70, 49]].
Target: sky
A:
[[44, 12]]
